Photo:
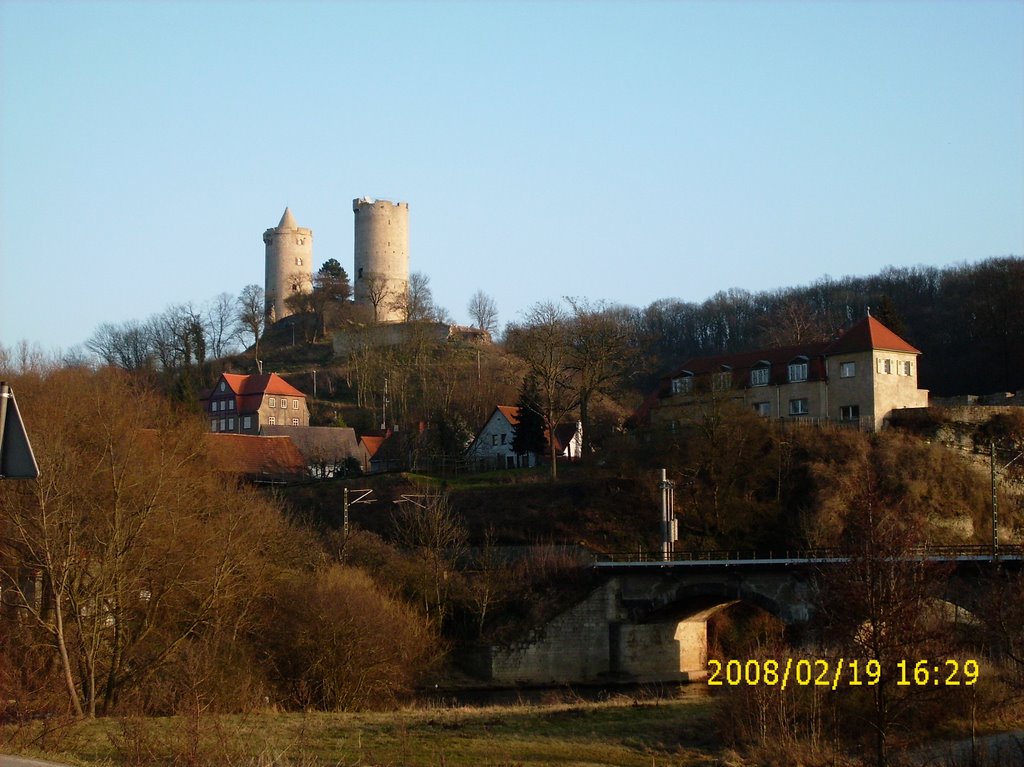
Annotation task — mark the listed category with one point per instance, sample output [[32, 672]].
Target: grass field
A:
[[622, 733]]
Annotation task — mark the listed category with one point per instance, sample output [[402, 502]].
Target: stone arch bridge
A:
[[647, 621]]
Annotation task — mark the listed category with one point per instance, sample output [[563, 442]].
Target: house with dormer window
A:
[[857, 379], [242, 404]]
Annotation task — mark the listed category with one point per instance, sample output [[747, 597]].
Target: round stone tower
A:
[[289, 264], [381, 274]]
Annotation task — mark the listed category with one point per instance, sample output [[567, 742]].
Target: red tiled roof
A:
[[253, 456], [865, 335], [511, 413], [264, 383], [869, 334], [249, 390], [372, 444], [746, 360]]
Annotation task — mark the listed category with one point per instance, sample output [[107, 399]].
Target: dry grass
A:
[[620, 733]]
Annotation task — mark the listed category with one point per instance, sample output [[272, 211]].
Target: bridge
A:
[[647, 621]]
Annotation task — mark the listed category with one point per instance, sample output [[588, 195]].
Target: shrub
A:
[[339, 642]]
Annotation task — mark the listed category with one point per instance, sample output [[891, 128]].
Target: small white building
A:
[[493, 445]]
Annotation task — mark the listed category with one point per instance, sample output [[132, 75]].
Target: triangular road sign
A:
[[16, 458]]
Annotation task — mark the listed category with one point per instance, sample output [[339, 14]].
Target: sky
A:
[[615, 151]]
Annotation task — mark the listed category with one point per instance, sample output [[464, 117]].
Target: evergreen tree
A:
[[528, 436], [888, 315]]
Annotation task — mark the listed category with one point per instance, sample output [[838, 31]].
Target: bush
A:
[[338, 642]]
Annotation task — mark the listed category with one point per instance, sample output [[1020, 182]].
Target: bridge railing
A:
[[945, 552]]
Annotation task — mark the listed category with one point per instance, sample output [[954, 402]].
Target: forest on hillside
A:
[[967, 320]]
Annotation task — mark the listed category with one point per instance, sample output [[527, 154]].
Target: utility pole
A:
[[995, 502], [361, 499], [995, 499], [669, 524]]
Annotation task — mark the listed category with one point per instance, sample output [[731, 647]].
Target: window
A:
[[721, 381], [213, 424], [213, 407], [906, 368], [295, 404], [503, 438], [231, 424], [494, 440], [759, 376], [271, 421], [798, 371], [231, 404], [247, 422], [763, 408], [849, 413], [798, 406], [283, 403], [223, 424], [682, 384], [221, 387], [847, 369], [295, 422], [888, 367], [272, 401]]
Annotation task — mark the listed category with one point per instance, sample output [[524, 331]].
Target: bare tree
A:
[[128, 345], [428, 526], [127, 549], [483, 311], [542, 342], [599, 353], [221, 318], [417, 305], [876, 606], [379, 293], [252, 315]]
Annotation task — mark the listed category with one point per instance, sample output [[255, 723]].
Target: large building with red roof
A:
[[857, 379], [242, 404]]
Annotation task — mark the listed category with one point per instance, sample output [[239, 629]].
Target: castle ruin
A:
[[289, 258], [380, 277], [381, 273]]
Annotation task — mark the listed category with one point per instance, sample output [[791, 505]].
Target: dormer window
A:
[[722, 380], [683, 384], [760, 373], [798, 370]]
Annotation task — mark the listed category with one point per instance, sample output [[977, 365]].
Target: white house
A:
[[493, 445]]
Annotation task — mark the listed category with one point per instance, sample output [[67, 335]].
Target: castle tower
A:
[[381, 274], [289, 264]]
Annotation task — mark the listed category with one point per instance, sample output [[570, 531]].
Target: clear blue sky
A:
[[619, 151]]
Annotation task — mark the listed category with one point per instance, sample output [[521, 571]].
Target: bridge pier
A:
[[601, 640]]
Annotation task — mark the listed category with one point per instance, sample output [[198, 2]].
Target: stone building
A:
[[858, 379], [381, 268], [289, 263]]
